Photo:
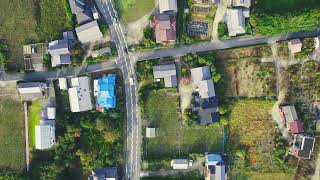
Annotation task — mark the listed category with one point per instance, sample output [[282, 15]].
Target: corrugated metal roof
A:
[[89, 32], [45, 136]]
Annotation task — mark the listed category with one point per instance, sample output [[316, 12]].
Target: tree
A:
[[46, 171], [77, 53], [87, 160]]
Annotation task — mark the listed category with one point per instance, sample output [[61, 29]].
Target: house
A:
[[236, 21], [167, 72], [241, 3], [79, 94], [60, 53], [31, 90], [60, 49], [150, 132], [288, 113], [165, 28], [289, 116], [109, 173], [82, 10], [168, 6], [180, 163], [317, 42], [106, 97], [45, 134], [206, 103], [295, 46], [205, 2], [89, 32], [63, 83], [214, 167], [302, 146]]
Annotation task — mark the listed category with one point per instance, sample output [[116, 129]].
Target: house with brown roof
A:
[[165, 28], [290, 117], [295, 46]]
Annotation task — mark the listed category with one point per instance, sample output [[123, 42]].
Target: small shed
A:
[[63, 84], [150, 132], [51, 113], [180, 163], [317, 42], [295, 46]]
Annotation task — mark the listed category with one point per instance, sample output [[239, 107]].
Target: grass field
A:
[[270, 18], [34, 119], [22, 22], [12, 155], [175, 140], [132, 10]]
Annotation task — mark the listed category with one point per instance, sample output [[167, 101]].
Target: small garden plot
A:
[[246, 77], [252, 51], [198, 28]]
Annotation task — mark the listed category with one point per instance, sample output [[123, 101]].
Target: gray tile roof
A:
[[104, 173], [82, 10], [168, 72]]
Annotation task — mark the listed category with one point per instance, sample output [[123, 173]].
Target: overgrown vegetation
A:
[[194, 175], [149, 41], [12, 151], [3, 54], [254, 142], [308, 47], [269, 18]]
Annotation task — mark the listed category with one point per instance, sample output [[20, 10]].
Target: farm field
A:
[[12, 155], [269, 18], [175, 140], [132, 10], [21, 23], [246, 77], [251, 137]]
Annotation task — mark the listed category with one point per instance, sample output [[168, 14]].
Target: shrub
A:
[[223, 31]]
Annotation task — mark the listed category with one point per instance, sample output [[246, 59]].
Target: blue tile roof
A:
[[106, 92]]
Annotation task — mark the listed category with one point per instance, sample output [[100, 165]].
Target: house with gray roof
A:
[[89, 32], [80, 94], [31, 90], [82, 9], [206, 102], [45, 134], [167, 72], [60, 49], [109, 173]]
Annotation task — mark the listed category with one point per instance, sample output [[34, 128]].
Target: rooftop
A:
[[79, 94], [89, 32], [106, 92], [235, 21], [168, 72], [45, 135], [295, 46], [109, 173], [168, 5], [82, 10]]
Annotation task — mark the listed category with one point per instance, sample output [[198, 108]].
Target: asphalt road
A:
[[132, 146]]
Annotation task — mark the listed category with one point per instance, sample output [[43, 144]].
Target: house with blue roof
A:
[[106, 97]]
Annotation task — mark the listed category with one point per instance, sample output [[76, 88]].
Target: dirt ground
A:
[[185, 91], [254, 51], [241, 78], [8, 89]]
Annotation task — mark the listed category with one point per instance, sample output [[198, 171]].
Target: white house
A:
[[45, 135], [168, 6]]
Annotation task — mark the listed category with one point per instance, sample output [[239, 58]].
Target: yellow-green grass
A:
[[132, 10], [12, 155], [34, 113], [271, 176], [174, 140]]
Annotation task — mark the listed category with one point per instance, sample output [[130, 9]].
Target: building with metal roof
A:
[[31, 90], [180, 163], [106, 97], [79, 94], [167, 72], [109, 173], [82, 9], [236, 21], [215, 168], [150, 132], [206, 102], [45, 134], [168, 6], [295, 46], [89, 32]]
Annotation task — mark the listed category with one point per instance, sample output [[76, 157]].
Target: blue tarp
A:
[[106, 92]]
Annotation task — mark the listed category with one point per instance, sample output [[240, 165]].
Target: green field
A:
[[132, 10], [175, 140], [25, 21], [270, 18], [34, 119], [12, 155]]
